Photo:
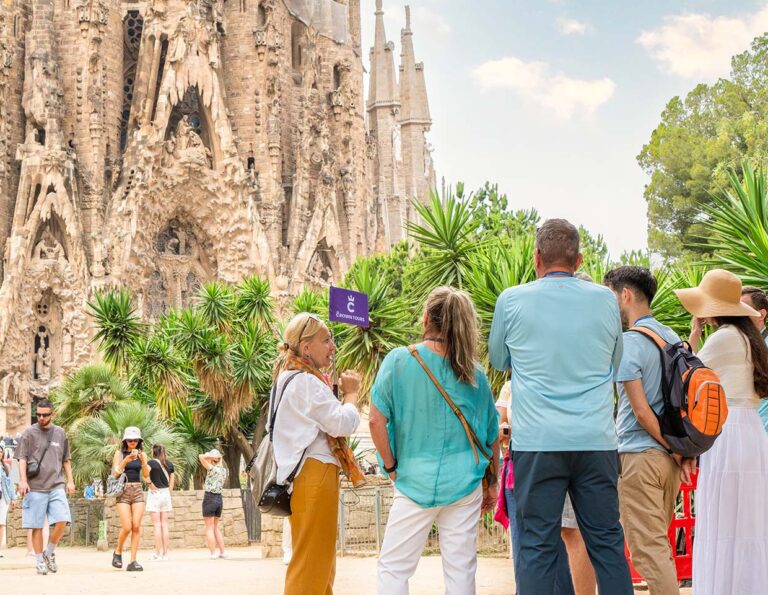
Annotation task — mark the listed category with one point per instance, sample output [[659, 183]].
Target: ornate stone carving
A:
[[48, 248]]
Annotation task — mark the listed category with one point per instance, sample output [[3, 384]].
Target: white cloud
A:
[[700, 45], [573, 27], [535, 81]]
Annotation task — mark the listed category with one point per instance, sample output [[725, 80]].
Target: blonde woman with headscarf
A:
[[307, 419]]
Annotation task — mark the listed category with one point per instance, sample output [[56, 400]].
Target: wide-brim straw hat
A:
[[718, 294]]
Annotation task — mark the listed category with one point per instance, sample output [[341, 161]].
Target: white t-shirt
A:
[[727, 352], [306, 415]]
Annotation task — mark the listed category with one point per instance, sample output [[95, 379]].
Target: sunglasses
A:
[[132, 440], [44, 415], [306, 324]]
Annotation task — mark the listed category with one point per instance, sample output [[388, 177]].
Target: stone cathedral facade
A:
[[160, 144]]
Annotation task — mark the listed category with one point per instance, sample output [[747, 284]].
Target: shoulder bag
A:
[[491, 473], [33, 467], [115, 485], [271, 497]]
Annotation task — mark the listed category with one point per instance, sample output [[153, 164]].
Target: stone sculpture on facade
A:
[[145, 159]]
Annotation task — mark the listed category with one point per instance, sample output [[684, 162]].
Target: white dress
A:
[[730, 547]]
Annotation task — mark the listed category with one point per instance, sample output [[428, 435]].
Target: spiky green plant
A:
[[118, 327], [738, 222], [447, 239]]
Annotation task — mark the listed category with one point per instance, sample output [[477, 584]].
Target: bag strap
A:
[[45, 450], [276, 404], [293, 473], [474, 441]]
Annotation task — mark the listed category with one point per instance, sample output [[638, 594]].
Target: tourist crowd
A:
[[580, 454]]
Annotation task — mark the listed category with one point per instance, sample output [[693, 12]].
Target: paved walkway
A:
[[84, 571]]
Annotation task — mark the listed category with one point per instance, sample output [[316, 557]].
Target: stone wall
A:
[[186, 522]]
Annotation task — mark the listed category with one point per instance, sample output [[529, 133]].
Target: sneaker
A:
[[50, 562], [134, 567], [156, 556], [223, 556], [41, 568], [117, 560], [215, 556]]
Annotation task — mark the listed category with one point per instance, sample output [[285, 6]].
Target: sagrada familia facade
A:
[[160, 144]]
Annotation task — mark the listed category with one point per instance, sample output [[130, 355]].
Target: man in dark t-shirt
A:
[[43, 455]]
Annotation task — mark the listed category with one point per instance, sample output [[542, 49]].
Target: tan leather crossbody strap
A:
[[474, 442]]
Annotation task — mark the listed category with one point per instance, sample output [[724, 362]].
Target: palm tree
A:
[[95, 440], [87, 392], [738, 222]]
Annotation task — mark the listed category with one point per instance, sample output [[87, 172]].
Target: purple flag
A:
[[347, 306]]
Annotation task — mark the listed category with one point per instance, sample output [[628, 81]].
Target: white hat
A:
[[212, 454], [131, 433]]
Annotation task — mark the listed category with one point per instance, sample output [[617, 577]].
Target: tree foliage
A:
[[699, 139]]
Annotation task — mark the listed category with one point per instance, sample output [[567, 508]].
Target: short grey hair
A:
[[557, 241]]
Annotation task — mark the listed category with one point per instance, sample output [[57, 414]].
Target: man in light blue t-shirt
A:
[[755, 298], [650, 476], [561, 338]]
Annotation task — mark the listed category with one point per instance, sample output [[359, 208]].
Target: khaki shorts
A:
[[132, 494]]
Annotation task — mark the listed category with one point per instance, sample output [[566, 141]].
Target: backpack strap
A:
[[474, 441], [654, 337]]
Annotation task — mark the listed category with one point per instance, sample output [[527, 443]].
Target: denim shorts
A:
[[38, 505], [213, 504]]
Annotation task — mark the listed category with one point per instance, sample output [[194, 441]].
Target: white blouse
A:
[[727, 352], [307, 414]]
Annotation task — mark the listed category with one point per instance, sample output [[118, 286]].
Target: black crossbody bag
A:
[[33, 467]]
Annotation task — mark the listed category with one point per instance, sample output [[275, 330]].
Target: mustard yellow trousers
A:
[[314, 523]]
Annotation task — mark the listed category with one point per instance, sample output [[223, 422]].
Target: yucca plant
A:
[[87, 392], [160, 368], [737, 222], [447, 240], [118, 327]]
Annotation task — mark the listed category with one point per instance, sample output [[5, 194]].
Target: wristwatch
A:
[[392, 468]]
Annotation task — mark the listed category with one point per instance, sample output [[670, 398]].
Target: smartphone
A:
[[505, 431], [135, 452]]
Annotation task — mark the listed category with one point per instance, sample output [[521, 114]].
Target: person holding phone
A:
[[131, 460]]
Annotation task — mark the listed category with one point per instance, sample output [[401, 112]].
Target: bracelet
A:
[[392, 468]]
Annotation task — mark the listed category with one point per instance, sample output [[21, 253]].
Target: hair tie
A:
[[286, 346]]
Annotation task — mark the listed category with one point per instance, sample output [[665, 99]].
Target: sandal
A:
[[117, 560], [134, 567]]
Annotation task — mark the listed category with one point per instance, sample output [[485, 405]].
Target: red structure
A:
[[680, 534]]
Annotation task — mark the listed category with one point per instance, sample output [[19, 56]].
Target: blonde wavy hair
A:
[[302, 327], [452, 316]]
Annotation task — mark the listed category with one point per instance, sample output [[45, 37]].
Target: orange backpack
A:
[[694, 400]]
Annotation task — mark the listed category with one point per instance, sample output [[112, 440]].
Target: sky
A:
[[554, 99]]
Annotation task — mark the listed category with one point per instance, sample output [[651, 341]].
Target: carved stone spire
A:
[[383, 82], [415, 121]]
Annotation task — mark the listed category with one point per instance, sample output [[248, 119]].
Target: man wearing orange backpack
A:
[[650, 472]]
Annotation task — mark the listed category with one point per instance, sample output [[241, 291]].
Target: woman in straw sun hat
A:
[[730, 552]]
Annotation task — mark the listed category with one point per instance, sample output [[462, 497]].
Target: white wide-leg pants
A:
[[406, 534]]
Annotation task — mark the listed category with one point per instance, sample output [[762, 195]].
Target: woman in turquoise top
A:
[[426, 451]]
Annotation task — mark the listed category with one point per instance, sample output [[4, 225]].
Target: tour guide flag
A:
[[350, 307]]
